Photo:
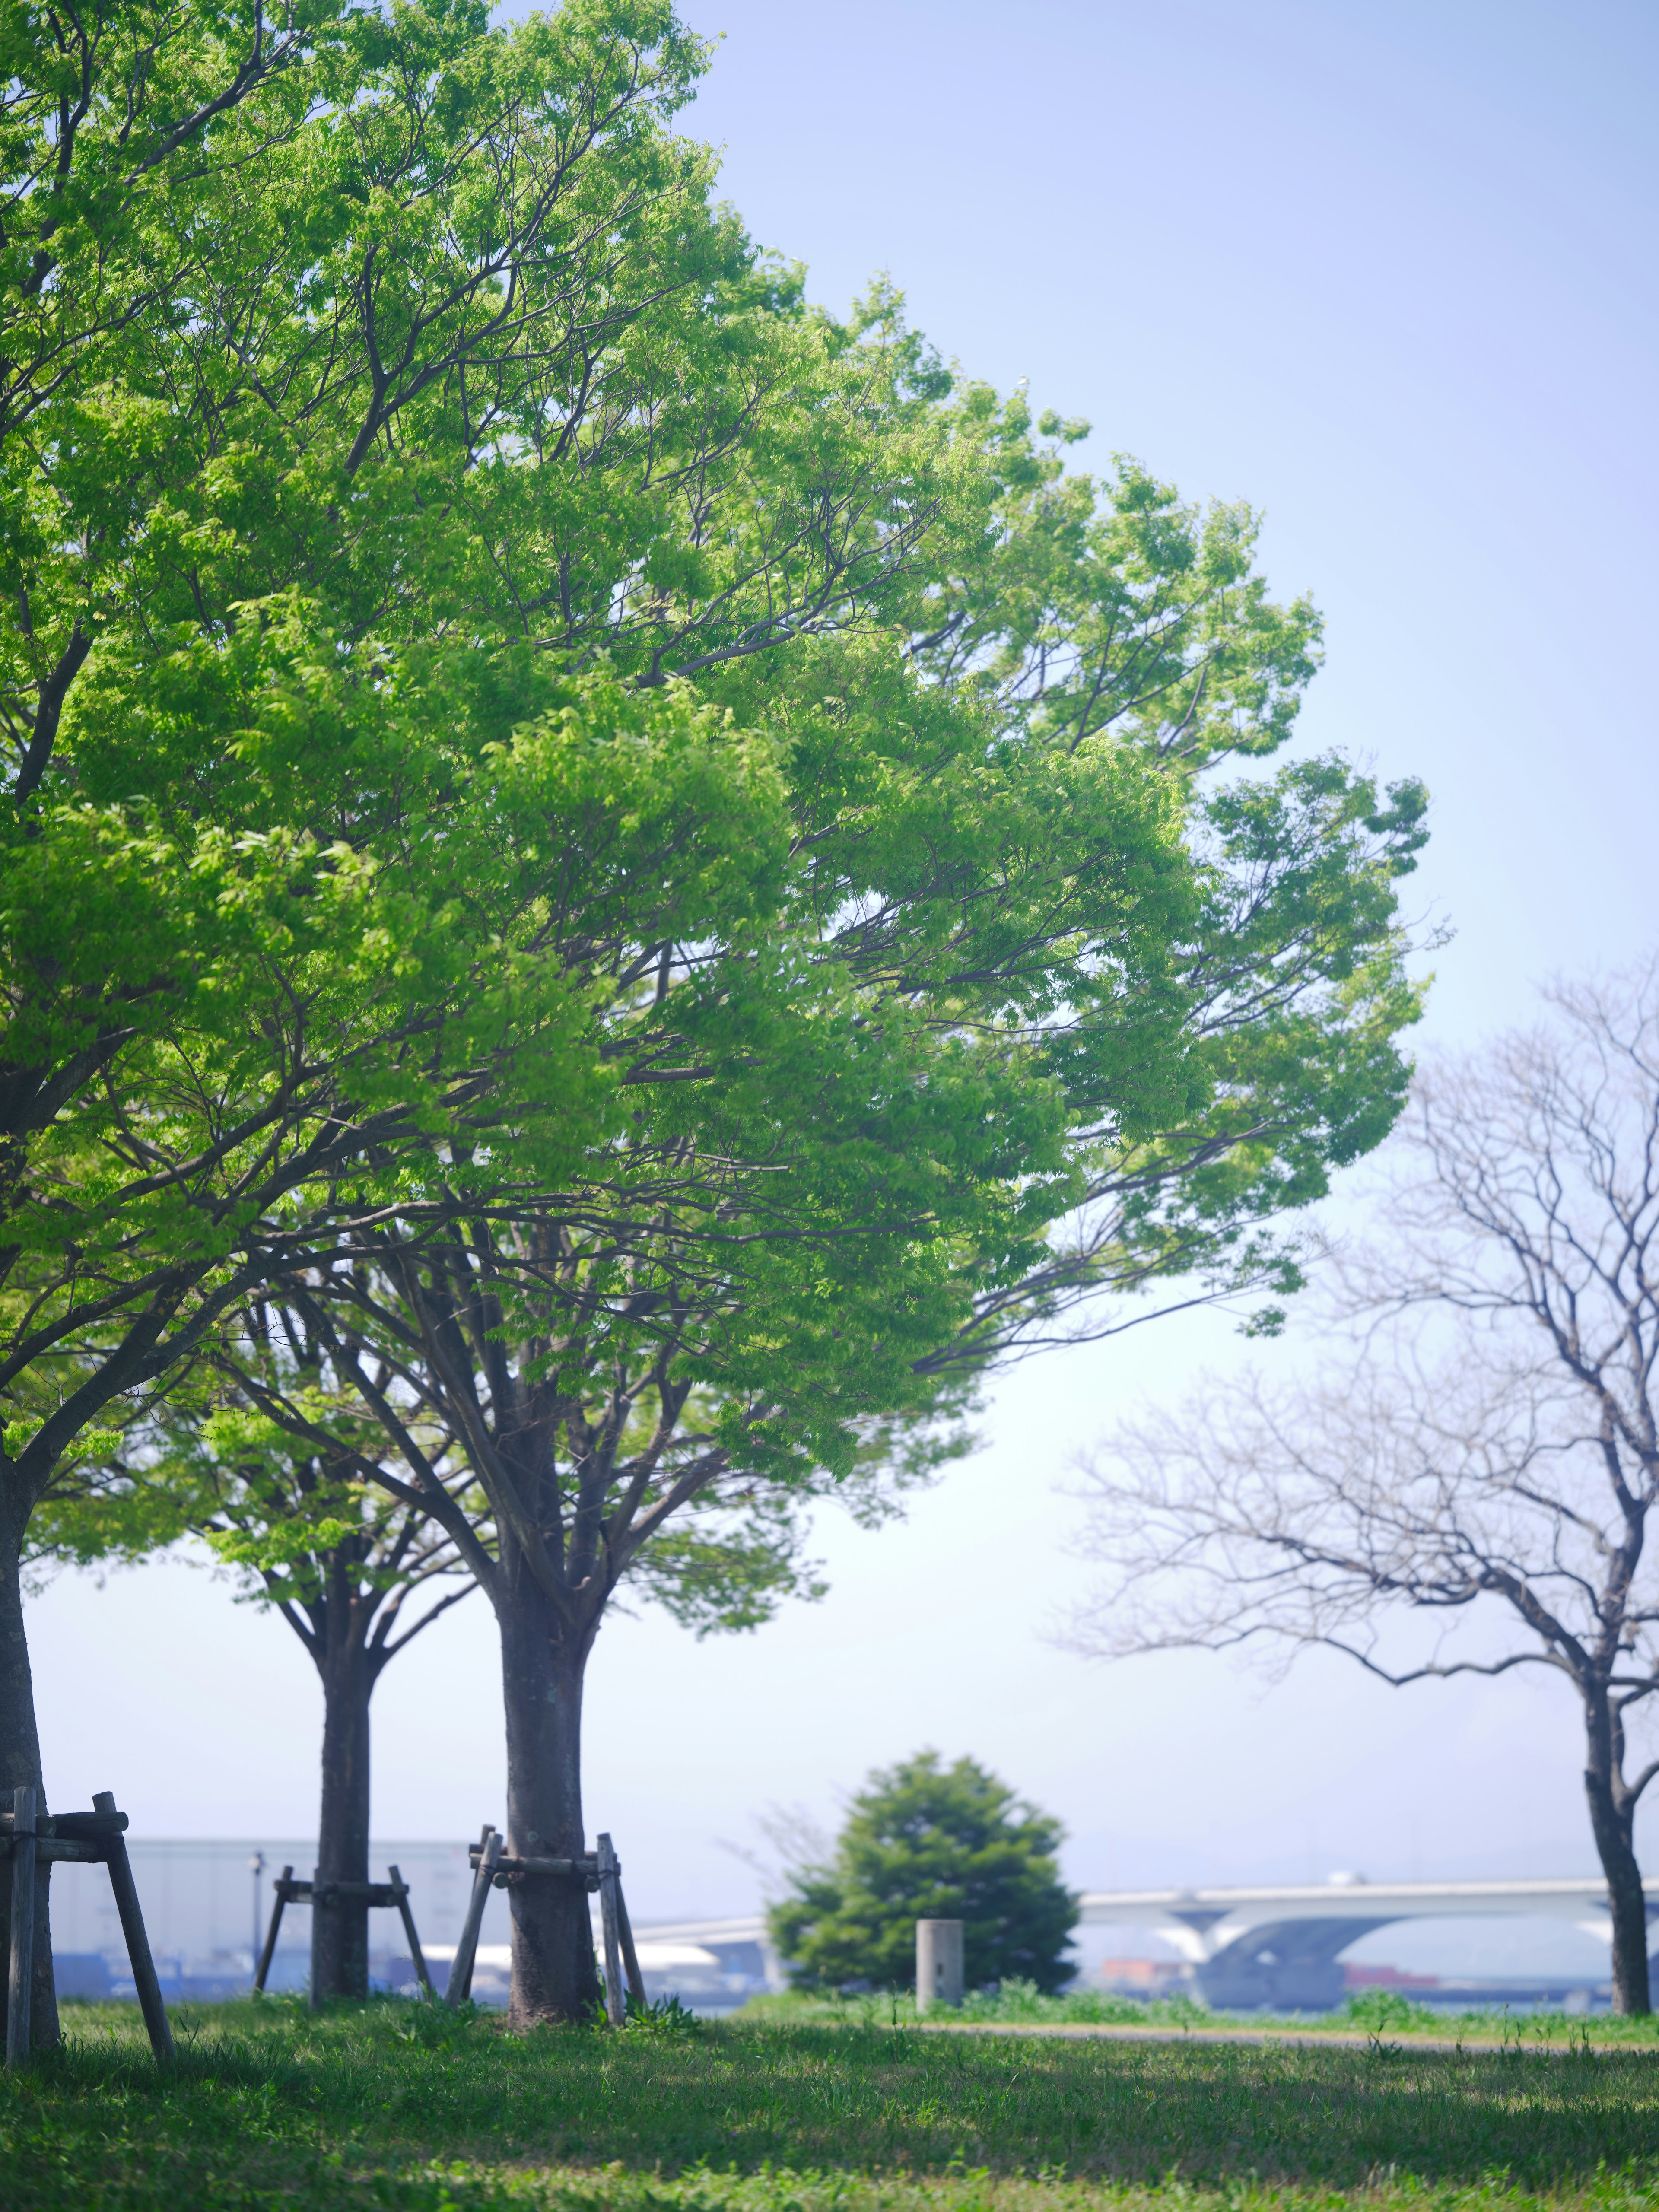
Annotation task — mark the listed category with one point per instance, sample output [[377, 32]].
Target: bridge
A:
[[1277, 1945]]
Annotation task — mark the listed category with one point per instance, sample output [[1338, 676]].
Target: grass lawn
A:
[[1370, 2014], [400, 2106]]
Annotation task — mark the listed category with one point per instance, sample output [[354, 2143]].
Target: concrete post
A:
[[939, 1963]]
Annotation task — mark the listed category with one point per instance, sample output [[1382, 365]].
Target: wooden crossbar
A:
[[93, 1827], [588, 1868], [293, 1892], [58, 1851]]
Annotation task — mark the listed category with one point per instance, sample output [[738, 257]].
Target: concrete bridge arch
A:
[[1280, 1946]]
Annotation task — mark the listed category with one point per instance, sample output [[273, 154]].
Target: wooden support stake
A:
[[19, 1979], [460, 1973], [279, 1898], [630, 1956], [137, 1943], [616, 2005], [415, 1950], [321, 1901]]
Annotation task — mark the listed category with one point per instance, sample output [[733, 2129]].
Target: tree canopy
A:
[[647, 857]]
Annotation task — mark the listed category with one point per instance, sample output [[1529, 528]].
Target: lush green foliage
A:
[[256, 921], [840, 1021], [653, 866], [924, 1841], [954, 1067], [274, 2107]]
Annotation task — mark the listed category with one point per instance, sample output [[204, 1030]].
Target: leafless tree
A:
[[1485, 1447]]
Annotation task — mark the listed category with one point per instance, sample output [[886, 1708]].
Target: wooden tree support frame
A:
[[286, 1891], [600, 1869], [94, 1838]]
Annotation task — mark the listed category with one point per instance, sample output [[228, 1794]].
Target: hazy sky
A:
[[1386, 271]]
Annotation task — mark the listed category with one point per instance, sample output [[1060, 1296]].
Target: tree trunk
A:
[[554, 1974], [1611, 1821], [339, 1930], [20, 1763]]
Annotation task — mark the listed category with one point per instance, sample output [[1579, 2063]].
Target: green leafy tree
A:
[[924, 1841], [1010, 1029], [416, 300], [658, 863], [111, 116], [356, 1573]]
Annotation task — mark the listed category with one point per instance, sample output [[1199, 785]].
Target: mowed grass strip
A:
[[1364, 2016], [397, 2106]]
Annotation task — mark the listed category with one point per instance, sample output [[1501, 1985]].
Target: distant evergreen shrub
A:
[[927, 1841]]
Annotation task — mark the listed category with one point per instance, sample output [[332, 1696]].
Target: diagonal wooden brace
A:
[[137, 1942], [460, 1973]]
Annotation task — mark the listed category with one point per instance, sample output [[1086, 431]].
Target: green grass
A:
[[400, 2107], [1368, 2012]]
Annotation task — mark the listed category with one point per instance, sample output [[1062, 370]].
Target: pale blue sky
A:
[[1387, 272]]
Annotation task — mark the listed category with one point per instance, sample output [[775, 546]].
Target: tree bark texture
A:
[[1612, 1823], [339, 1929], [554, 1974], [20, 1763]]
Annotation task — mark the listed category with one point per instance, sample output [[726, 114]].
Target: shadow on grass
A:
[[399, 2107]]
